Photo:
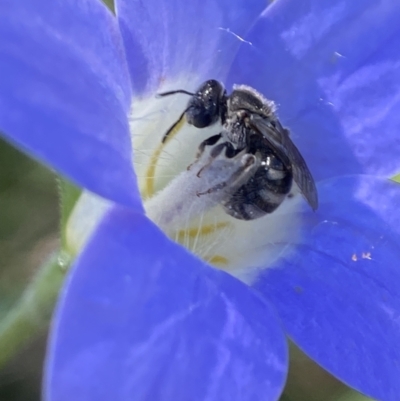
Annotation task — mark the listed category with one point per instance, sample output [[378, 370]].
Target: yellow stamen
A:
[[200, 231], [218, 260], [148, 190]]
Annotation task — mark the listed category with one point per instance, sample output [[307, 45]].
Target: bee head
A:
[[208, 104]]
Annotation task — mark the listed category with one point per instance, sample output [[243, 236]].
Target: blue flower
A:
[[140, 317]]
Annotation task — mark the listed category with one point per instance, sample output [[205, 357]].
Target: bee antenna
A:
[[174, 93]]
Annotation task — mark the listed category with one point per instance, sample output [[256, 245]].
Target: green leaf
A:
[[31, 314], [110, 4], [69, 194], [396, 178]]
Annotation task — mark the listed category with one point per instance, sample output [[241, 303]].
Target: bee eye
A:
[[199, 117], [202, 111]]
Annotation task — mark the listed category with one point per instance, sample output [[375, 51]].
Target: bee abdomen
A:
[[260, 195]]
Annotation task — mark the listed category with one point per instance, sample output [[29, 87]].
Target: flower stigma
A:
[[182, 189]]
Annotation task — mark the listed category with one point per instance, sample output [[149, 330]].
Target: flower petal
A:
[[65, 92], [333, 68], [168, 40], [338, 291], [142, 319]]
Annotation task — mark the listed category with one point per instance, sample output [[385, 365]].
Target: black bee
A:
[[250, 126]]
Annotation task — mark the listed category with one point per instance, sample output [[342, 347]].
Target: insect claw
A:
[[200, 171]]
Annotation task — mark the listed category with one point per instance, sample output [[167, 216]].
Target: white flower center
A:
[[185, 203]]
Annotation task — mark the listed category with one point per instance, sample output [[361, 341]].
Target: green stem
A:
[[31, 314]]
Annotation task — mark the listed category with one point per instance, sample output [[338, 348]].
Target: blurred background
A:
[[28, 234]]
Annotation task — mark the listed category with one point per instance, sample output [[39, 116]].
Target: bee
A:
[[250, 127]]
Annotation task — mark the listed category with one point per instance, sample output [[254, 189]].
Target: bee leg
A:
[[247, 164], [230, 152], [212, 140]]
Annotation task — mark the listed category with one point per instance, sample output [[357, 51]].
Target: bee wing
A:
[[279, 140]]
